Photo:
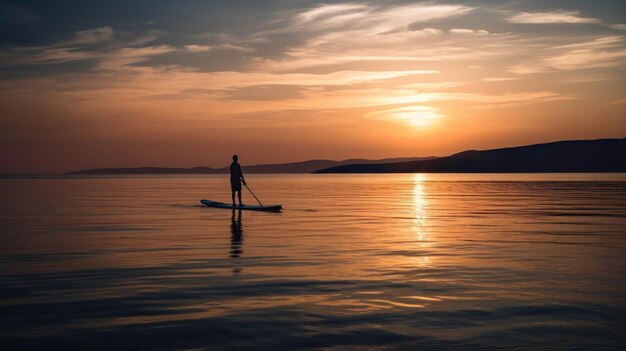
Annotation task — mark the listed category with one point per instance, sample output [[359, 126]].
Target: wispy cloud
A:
[[127, 56], [600, 52], [559, 16], [59, 55], [194, 48], [99, 45], [468, 31], [331, 15], [341, 34], [499, 79], [198, 48], [93, 35], [72, 49], [410, 63], [360, 21], [528, 97], [10, 13], [377, 19], [617, 102]]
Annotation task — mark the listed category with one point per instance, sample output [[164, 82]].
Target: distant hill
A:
[[314, 165], [603, 155], [294, 167], [147, 170]]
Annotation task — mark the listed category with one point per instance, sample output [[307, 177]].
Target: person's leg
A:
[[234, 198], [240, 198]]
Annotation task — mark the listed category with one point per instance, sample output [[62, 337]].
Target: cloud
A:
[[560, 16], [412, 63], [342, 34], [617, 102], [378, 19], [226, 42], [198, 48], [330, 15], [586, 58], [592, 77], [99, 45], [72, 49], [432, 85], [270, 92], [126, 56], [499, 79], [597, 43], [10, 13], [59, 55], [528, 97], [93, 35], [228, 80], [468, 31], [227, 46], [370, 18], [596, 53]]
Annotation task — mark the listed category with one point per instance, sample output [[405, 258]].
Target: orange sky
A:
[[311, 81]]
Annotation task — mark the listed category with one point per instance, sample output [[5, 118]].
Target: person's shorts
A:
[[235, 185]]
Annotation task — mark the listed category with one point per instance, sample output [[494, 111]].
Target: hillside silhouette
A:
[[293, 167], [603, 155]]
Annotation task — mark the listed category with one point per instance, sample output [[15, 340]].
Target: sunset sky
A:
[[89, 84]]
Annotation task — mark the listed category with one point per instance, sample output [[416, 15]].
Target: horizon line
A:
[[282, 163]]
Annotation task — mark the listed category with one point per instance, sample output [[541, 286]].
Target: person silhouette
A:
[[236, 178]]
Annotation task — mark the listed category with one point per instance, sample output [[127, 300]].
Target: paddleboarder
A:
[[236, 178]]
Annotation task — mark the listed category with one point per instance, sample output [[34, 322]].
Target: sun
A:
[[419, 116]]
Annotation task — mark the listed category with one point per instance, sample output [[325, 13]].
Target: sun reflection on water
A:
[[420, 217]]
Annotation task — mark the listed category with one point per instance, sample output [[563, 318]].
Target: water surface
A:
[[436, 261]]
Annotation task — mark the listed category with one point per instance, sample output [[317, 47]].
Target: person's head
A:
[[235, 158]]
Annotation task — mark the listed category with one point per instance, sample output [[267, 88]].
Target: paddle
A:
[[257, 199]]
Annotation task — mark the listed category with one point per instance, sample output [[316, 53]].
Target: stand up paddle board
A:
[[216, 204]]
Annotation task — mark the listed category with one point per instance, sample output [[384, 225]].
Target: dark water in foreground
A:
[[370, 262]]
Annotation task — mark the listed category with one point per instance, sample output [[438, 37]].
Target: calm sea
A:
[[353, 262]]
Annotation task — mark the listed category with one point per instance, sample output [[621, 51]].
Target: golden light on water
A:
[[420, 216]]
